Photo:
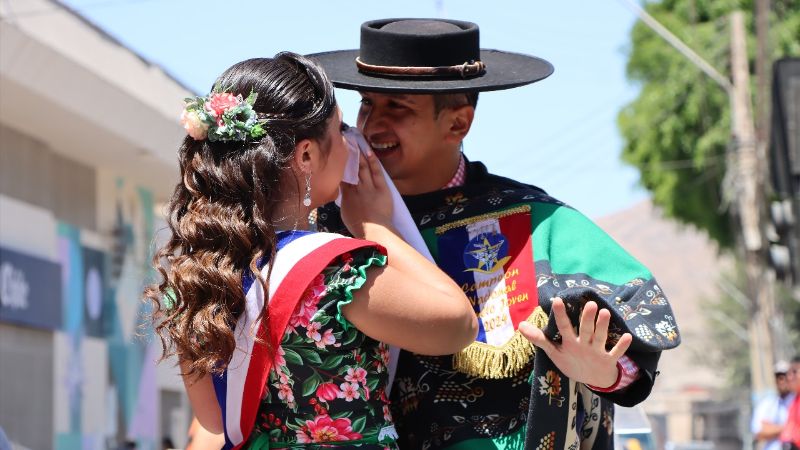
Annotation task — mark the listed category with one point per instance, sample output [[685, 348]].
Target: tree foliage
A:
[[677, 131]]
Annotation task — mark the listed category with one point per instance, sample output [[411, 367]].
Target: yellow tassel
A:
[[487, 361]]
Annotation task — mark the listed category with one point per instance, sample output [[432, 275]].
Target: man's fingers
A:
[[586, 328], [601, 329], [622, 346], [562, 319], [537, 337]]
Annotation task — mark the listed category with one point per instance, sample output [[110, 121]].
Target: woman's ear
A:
[[305, 155]]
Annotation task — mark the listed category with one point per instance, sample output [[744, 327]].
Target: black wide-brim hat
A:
[[428, 56]]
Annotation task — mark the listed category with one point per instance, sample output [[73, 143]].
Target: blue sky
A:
[[559, 134]]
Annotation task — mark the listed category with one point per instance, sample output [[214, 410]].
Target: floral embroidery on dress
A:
[[328, 381]]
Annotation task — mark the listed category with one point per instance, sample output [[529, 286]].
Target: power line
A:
[[602, 107], [562, 157], [580, 122], [546, 165]]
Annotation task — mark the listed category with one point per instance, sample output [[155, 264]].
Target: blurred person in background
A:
[[790, 436], [281, 332], [771, 412]]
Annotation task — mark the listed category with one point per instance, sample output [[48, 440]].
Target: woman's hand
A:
[[368, 202], [582, 357]]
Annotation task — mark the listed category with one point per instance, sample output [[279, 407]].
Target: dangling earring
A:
[[307, 198]]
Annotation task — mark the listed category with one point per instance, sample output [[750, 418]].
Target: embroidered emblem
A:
[[489, 251]]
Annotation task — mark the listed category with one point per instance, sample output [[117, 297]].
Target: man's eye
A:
[[365, 101]]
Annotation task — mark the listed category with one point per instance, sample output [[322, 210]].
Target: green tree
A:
[[678, 129]]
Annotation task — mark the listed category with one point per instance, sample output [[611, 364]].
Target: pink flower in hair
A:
[[218, 103]]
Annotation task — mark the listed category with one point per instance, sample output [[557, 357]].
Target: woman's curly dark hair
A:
[[220, 212]]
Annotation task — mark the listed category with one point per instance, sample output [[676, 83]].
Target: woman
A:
[[264, 150]]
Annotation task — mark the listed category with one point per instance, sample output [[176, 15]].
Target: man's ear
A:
[[458, 120]]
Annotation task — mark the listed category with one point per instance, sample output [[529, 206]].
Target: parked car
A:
[[632, 429]]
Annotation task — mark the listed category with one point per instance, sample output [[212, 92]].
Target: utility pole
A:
[[749, 163], [763, 76], [763, 99]]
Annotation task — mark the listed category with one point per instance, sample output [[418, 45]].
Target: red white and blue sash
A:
[[301, 257]]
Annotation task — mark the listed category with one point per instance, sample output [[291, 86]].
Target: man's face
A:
[[409, 139], [782, 383]]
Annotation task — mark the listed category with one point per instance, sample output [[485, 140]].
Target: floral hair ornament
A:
[[222, 116]]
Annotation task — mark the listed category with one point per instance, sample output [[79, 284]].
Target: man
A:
[[770, 415], [527, 261], [790, 436]]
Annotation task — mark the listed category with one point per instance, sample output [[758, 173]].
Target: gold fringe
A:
[[487, 361], [494, 215]]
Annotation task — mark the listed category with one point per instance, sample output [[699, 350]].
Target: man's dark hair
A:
[[444, 101]]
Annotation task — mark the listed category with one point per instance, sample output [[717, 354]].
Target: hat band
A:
[[467, 70]]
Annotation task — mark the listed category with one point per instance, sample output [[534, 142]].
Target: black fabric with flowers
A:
[[327, 387]]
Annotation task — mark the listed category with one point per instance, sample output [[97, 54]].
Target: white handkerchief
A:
[[355, 143]]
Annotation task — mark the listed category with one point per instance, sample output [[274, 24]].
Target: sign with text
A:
[[30, 290]]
